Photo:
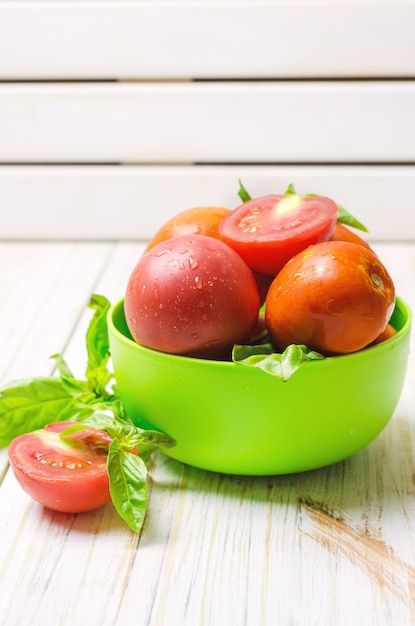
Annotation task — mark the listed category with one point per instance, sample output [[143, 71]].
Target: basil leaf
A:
[[28, 405], [99, 378], [242, 193], [281, 365], [73, 386], [63, 368], [131, 435], [153, 438], [344, 217], [290, 190], [242, 352], [97, 344], [116, 427], [128, 485], [148, 441]]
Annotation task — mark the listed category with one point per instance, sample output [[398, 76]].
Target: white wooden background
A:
[[114, 115]]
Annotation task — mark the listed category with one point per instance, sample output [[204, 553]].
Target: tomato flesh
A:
[[63, 477], [335, 297], [268, 231]]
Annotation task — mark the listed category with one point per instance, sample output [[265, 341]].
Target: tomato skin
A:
[[62, 478], [335, 297], [263, 283], [342, 233], [192, 296], [196, 221], [202, 221], [389, 332], [268, 231]]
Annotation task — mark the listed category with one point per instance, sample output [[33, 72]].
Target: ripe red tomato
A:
[[193, 296], [202, 221], [62, 477], [335, 297], [268, 231], [197, 221], [263, 282], [342, 233]]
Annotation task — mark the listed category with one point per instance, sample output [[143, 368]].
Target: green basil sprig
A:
[[31, 404]]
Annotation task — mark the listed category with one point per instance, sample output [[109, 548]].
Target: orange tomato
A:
[[389, 332], [342, 233], [196, 221], [335, 297]]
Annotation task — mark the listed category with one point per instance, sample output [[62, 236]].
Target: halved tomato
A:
[[268, 231], [68, 475]]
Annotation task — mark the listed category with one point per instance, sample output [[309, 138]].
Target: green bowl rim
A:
[[400, 305]]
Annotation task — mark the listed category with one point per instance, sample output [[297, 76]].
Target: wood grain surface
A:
[[331, 546]]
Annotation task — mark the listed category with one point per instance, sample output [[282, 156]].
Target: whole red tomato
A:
[[196, 221], [268, 231], [335, 297], [192, 296]]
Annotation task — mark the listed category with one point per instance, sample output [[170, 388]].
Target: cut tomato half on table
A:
[[269, 230], [67, 474]]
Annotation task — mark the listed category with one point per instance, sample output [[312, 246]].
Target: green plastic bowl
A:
[[231, 418]]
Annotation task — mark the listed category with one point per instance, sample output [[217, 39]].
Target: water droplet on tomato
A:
[[193, 262], [198, 282]]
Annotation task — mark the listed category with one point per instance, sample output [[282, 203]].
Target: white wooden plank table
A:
[[331, 546]]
